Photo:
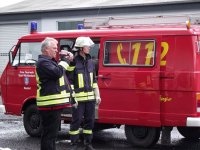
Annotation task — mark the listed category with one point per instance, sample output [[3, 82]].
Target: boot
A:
[[89, 147], [74, 146]]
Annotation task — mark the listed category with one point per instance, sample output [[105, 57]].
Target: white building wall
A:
[[49, 22], [9, 34]]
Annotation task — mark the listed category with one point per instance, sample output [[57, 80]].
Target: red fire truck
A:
[[148, 73]]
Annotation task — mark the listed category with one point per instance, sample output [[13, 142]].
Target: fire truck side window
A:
[[27, 54], [94, 52], [66, 44], [129, 53]]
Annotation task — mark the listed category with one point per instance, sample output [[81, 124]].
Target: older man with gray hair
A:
[[53, 91]]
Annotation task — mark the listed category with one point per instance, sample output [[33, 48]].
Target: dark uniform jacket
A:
[[83, 78], [53, 87]]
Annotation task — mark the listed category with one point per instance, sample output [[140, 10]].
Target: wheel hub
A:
[[140, 132], [35, 121]]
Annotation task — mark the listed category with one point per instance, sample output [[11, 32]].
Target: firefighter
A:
[[53, 93], [86, 93]]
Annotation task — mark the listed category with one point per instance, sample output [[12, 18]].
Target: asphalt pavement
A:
[[13, 135]]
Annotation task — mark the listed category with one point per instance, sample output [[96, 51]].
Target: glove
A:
[[97, 94], [98, 100], [74, 103], [63, 58], [67, 55]]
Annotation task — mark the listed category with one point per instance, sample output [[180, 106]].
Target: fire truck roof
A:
[[109, 26], [113, 32]]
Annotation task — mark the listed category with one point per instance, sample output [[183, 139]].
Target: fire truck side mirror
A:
[[11, 58]]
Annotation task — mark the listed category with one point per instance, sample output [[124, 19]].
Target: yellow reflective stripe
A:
[[73, 94], [87, 131], [84, 94], [50, 102], [95, 85], [91, 78], [38, 91], [74, 132], [38, 84], [62, 81], [70, 68], [80, 80], [65, 93], [64, 64], [54, 96], [84, 98], [37, 78]]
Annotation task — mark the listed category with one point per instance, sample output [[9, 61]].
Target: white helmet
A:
[[83, 41]]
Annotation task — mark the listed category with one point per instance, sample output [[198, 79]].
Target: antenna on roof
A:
[[96, 22]]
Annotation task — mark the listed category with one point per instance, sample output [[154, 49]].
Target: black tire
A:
[[141, 136], [32, 121], [189, 132]]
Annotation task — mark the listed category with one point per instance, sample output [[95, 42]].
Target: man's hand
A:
[[74, 103], [98, 100], [68, 55]]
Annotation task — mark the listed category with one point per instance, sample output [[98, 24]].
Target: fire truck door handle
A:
[[104, 76]]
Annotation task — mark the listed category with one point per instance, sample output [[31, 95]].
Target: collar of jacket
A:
[[88, 56], [47, 57]]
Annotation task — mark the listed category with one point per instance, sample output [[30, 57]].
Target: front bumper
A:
[[193, 122], [2, 109]]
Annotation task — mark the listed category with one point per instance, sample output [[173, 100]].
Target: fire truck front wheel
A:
[[189, 132], [142, 136], [32, 121]]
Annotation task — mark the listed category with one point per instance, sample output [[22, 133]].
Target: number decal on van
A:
[[165, 47], [149, 55], [136, 49], [140, 53], [119, 49]]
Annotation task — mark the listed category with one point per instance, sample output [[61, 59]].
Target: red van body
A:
[[149, 78]]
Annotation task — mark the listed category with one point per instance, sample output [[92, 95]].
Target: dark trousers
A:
[[50, 123], [86, 110]]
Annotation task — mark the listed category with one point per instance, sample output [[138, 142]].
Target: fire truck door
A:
[[21, 83], [128, 79]]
